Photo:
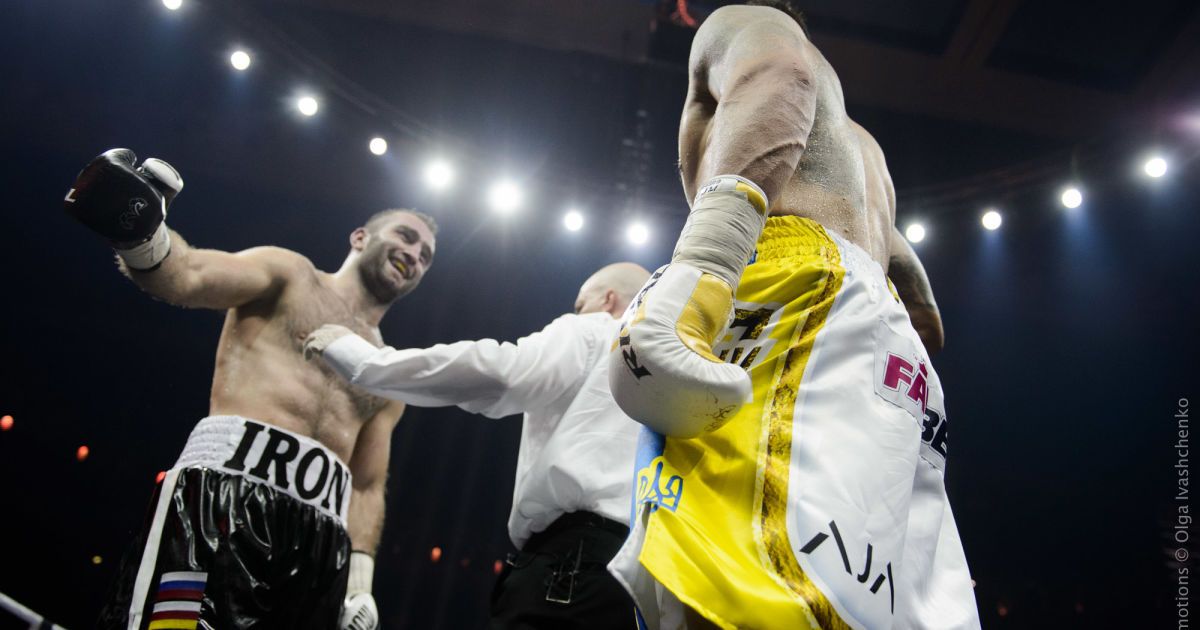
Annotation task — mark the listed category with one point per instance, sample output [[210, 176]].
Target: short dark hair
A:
[[373, 222], [787, 6]]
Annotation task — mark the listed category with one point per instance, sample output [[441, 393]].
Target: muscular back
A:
[[840, 181], [262, 374]]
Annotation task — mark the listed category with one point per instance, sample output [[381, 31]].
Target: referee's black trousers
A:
[[558, 581]]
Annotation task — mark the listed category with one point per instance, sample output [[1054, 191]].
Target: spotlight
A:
[[573, 220], [172, 4], [82, 452], [439, 175], [307, 105], [1155, 167], [240, 60], [991, 220], [97, 560], [1072, 197], [504, 196], [637, 233], [378, 146], [435, 554], [6, 423], [915, 232]]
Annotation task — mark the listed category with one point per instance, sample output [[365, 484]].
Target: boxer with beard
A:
[[274, 508]]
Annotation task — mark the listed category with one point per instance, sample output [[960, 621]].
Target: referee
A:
[[572, 494]]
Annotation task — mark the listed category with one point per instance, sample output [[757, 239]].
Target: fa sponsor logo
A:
[[904, 378], [910, 381]]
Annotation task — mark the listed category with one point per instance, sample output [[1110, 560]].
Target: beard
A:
[[372, 267]]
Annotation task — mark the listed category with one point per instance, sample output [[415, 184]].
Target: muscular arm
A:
[[751, 63], [369, 465], [209, 278], [907, 273]]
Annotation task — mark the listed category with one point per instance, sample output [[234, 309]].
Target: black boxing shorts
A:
[[248, 530]]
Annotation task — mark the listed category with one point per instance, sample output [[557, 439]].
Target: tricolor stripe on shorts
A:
[[177, 603]]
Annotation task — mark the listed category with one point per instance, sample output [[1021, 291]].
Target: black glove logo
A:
[[136, 205]]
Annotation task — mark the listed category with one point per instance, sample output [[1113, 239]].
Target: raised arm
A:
[[209, 278], [127, 204], [908, 276]]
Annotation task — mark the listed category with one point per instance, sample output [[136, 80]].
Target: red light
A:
[[497, 567], [435, 554], [682, 10], [1002, 610], [6, 423], [162, 474], [82, 453]]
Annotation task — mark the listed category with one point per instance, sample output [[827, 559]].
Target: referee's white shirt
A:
[[577, 446]]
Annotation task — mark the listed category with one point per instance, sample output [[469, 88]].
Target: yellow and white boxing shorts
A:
[[822, 503]]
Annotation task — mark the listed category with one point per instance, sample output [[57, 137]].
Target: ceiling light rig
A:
[[506, 196]]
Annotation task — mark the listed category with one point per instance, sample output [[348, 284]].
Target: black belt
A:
[[575, 543], [576, 520]]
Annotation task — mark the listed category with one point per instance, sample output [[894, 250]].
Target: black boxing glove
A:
[[127, 205]]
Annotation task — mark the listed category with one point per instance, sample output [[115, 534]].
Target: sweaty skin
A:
[[764, 103], [260, 372], [274, 297]]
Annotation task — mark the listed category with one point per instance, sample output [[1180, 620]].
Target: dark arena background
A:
[[1071, 332]]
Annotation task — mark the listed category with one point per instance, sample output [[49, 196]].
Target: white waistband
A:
[[855, 258], [300, 466]]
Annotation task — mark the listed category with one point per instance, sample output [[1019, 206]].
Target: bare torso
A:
[[261, 372], [841, 181]]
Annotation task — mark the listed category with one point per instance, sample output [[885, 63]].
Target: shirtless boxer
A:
[[792, 472], [256, 522]]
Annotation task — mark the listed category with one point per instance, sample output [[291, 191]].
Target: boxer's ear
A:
[[358, 239]]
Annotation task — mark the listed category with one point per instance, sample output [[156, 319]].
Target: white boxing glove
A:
[[663, 372], [359, 611], [319, 339]]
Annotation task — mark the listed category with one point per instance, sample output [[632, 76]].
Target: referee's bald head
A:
[[611, 289]]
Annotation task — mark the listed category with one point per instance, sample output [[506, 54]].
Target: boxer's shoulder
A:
[[735, 15], [281, 262], [291, 277], [292, 274], [732, 19]]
